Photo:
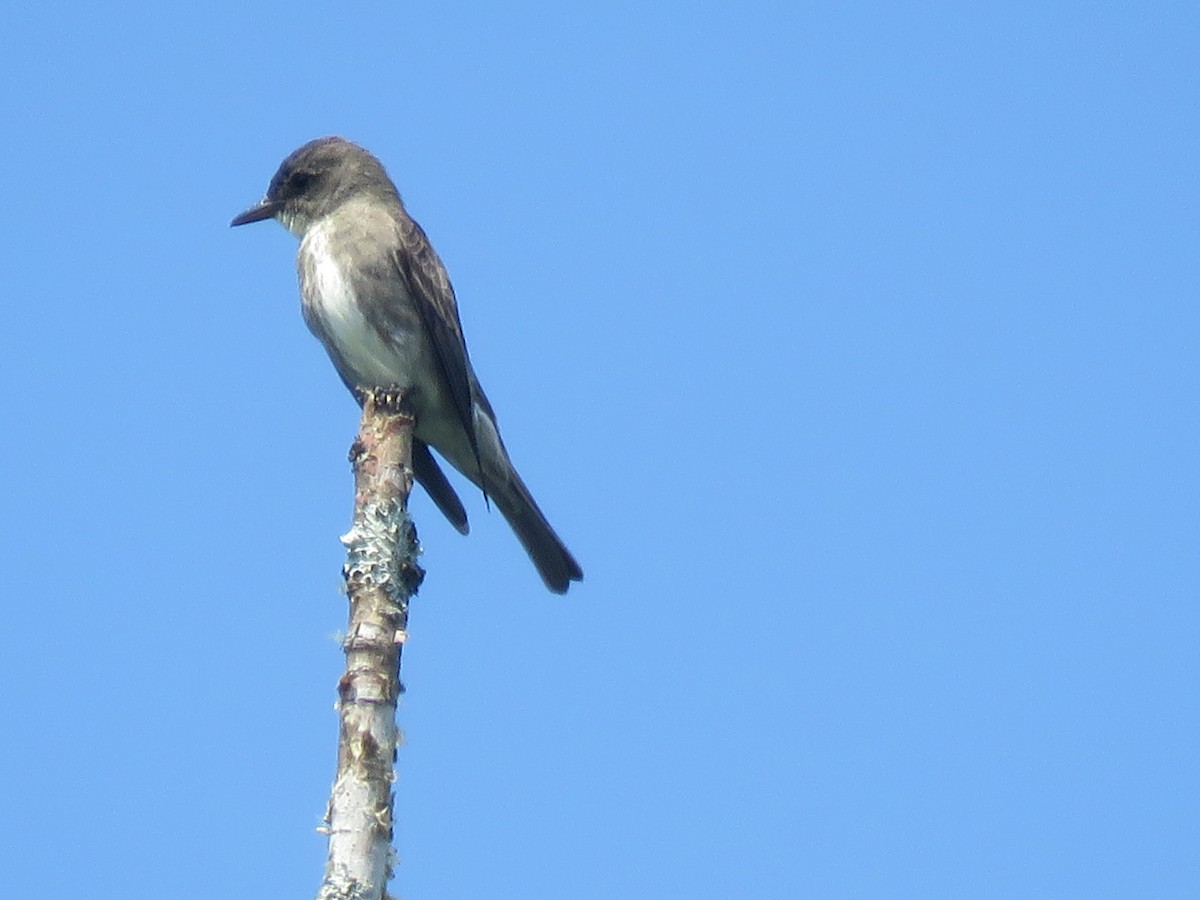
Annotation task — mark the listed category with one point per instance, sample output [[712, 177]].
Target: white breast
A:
[[330, 300]]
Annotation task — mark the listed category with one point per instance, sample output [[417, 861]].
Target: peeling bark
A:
[[381, 575]]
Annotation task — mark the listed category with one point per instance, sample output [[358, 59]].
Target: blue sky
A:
[[852, 352]]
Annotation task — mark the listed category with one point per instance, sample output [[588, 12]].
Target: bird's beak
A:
[[264, 209]]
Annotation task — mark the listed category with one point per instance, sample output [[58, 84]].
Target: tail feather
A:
[[431, 477], [550, 556]]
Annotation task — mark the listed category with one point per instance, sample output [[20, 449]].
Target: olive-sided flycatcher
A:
[[377, 296]]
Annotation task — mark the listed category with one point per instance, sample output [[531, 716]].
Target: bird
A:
[[375, 293]]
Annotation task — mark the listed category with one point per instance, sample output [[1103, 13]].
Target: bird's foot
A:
[[389, 400]]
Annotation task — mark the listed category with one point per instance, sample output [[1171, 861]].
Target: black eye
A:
[[300, 180]]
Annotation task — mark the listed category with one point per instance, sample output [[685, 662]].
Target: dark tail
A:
[[553, 560], [430, 476]]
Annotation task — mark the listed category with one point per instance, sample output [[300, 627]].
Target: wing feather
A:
[[433, 295]]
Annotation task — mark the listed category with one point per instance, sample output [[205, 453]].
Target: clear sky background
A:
[[852, 351]]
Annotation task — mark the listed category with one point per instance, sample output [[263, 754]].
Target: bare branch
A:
[[381, 575]]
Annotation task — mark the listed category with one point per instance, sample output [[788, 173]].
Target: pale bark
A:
[[381, 575]]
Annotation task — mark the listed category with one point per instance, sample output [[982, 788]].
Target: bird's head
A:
[[314, 181]]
